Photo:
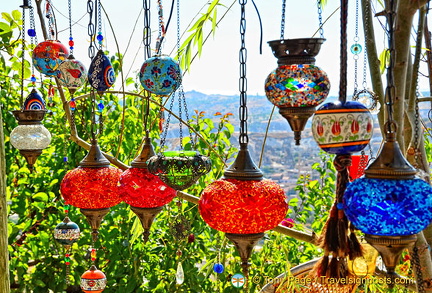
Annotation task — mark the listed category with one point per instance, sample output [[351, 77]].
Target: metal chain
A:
[[282, 36], [181, 91], [32, 25], [70, 27], [99, 24], [243, 112], [91, 31], [390, 90], [355, 49], [343, 53], [366, 16], [161, 31], [49, 13], [321, 27], [24, 7], [418, 270], [165, 130], [147, 30]]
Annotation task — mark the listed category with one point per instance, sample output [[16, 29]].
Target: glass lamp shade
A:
[[139, 188], [66, 232], [389, 207], [101, 75], [179, 169], [91, 188], [93, 281], [30, 137], [48, 55], [243, 206], [297, 85], [342, 128], [72, 74], [160, 75]]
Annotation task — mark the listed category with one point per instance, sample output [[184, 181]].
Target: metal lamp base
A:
[[146, 216]]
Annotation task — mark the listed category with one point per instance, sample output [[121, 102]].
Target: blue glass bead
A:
[[100, 37], [65, 159], [218, 268], [340, 206], [31, 32], [33, 79], [356, 49], [389, 207], [100, 106]]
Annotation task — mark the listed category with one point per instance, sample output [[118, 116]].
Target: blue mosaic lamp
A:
[[390, 204]]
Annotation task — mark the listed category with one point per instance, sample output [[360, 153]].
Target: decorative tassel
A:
[[333, 271], [322, 266], [342, 237], [355, 248]]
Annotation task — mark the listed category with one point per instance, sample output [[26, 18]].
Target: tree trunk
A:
[[4, 255]]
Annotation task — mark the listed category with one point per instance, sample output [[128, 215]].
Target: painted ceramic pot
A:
[[101, 74], [93, 281], [48, 55], [342, 128], [72, 74], [34, 101], [160, 75], [297, 85], [66, 232]]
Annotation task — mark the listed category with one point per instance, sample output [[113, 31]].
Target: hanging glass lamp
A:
[[30, 137], [297, 86], [92, 187], [93, 281], [389, 203], [48, 55]]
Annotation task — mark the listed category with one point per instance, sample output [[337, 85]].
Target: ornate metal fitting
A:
[[29, 117], [243, 168], [296, 51], [146, 153], [179, 169], [94, 158], [390, 162]]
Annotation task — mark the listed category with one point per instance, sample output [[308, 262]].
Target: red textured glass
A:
[[139, 188], [243, 207], [91, 188]]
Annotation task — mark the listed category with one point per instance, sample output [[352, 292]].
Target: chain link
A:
[[147, 29], [165, 130], [390, 90], [243, 112], [91, 31], [366, 16], [161, 31], [357, 47], [23, 53], [321, 26], [418, 270], [343, 54], [70, 26], [99, 23], [282, 36]]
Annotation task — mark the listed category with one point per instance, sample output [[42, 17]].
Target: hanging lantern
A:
[[30, 137], [101, 74], [143, 191], [92, 187], [93, 281], [160, 75], [243, 205], [342, 128], [390, 204], [179, 169], [297, 85], [48, 55], [72, 74], [66, 233]]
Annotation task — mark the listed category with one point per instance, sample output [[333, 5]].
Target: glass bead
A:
[[67, 259], [100, 37], [71, 43], [31, 32], [65, 159], [100, 106], [218, 268], [33, 78], [356, 49], [72, 104]]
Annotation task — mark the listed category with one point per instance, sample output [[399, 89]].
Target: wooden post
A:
[[4, 255]]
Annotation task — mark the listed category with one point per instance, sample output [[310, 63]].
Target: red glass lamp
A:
[[143, 191], [243, 204], [92, 187], [93, 280]]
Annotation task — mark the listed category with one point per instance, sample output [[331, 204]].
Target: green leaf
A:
[[16, 14], [4, 28], [41, 196], [6, 16]]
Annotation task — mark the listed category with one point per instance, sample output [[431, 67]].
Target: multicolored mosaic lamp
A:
[[30, 137], [92, 187], [297, 86], [143, 191], [160, 75], [93, 280], [48, 55]]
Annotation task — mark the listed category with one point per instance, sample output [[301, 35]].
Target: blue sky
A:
[[217, 70]]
